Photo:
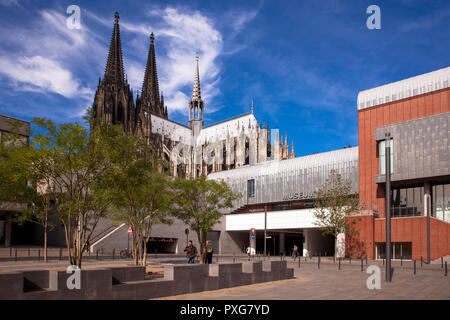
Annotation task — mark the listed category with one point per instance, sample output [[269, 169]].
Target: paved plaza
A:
[[349, 283], [328, 282]]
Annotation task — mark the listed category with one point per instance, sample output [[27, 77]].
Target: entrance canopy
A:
[[285, 219]]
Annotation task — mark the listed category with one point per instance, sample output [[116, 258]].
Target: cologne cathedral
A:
[[193, 149]]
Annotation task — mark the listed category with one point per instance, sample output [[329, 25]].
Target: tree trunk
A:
[[45, 238], [144, 255], [335, 247], [202, 238]]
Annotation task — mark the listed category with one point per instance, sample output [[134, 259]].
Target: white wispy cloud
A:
[[40, 74], [179, 34], [46, 55]]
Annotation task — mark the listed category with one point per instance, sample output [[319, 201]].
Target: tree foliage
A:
[[26, 174], [141, 190], [333, 203], [198, 203]]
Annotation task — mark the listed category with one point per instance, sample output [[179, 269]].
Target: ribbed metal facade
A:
[[293, 179]]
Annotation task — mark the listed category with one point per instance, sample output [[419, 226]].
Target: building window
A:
[[251, 188], [399, 250], [407, 202], [382, 150], [441, 202]]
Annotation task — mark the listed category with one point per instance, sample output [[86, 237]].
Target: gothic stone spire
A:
[[113, 101], [150, 88], [196, 94], [114, 67]]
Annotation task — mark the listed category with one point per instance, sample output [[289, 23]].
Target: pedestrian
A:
[[191, 252], [87, 246], [209, 252], [305, 252], [295, 252]]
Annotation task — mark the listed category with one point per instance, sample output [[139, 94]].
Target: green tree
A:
[[26, 172], [82, 163], [333, 203], [142, 195], [197, 202]]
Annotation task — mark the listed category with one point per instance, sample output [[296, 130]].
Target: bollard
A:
[[39, 255], [318, 262], [414, 266], [362, 264], [445, 269], [217, 259], [114, 254], [15, 255], [442, 262], [96, 254], [339, 267], [421, 261], [401, 260], [234, 259], [60, 253]]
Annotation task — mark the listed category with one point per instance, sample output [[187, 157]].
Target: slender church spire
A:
[[196, 105], [114, 66], [196, 94]]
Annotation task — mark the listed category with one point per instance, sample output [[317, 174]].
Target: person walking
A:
[[295, 252], [191, 252], [209, 252]]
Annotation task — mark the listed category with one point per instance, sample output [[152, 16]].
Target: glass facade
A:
[[407, 202], [382, 153], [441, 202]]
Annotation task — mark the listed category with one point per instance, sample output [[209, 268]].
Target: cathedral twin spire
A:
[[114, 72], [150, 89], [114, 99]]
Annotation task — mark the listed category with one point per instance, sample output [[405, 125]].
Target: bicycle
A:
[[125, 253]]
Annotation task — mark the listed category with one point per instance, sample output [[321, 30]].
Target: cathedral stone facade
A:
[[191, 150]]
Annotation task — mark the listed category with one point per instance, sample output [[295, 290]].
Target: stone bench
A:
[[128, 283]]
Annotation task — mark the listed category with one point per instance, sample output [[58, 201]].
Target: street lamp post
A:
[[388, 206], [265, 229]]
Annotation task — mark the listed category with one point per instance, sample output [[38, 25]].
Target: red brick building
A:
[[416, 113]]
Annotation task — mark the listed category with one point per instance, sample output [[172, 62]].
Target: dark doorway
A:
[[290, 241], [272, 243], [161, 245]]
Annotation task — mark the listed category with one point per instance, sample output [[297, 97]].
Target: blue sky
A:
[[303, 62]]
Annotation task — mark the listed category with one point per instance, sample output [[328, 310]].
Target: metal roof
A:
[[421, 84], [290, 165]]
